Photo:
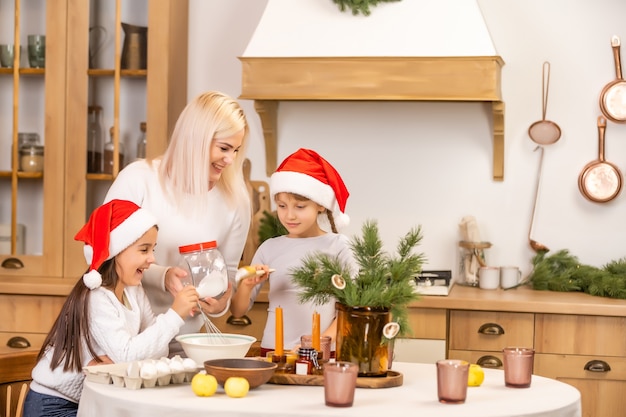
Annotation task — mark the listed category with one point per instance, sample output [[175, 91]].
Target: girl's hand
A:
[[185, 301], [253, 275]]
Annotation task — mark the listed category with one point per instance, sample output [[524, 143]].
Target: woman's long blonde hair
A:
[[184, 169]]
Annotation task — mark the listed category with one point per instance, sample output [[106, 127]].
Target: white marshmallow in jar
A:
[[206, 268]]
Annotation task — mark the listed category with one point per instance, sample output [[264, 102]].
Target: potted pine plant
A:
[[372, 303]]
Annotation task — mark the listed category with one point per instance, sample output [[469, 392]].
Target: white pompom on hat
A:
[[306, 173], [111, 228]]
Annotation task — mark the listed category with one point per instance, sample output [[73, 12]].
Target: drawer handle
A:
[[597, 366], [239, 321], [12, 263], [18, 342], [489, 361], [491, 329]]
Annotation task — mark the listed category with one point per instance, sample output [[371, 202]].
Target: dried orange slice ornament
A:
[[391, 329], [338, 282]]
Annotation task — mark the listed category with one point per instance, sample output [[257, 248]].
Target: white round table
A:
[[416, 396]]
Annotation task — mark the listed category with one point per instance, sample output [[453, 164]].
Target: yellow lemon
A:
[[236, 387], [476, 375], [203, 385]]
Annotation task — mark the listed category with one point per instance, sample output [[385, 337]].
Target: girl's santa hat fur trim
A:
[[111, 228], [306, 173]]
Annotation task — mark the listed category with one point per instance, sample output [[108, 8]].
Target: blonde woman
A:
[[197, 192]]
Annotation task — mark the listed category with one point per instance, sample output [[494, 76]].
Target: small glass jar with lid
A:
[[206, 268], [307, 361], [30, 152]]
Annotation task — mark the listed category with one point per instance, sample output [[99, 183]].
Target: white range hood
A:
[[427, 50]]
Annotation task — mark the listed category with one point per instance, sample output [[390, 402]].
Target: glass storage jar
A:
[[31, 158], [109, 152], [206, 268], [95, 141], [30, 152]]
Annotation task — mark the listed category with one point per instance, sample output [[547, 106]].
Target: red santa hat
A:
[[306, 173], [111, 228]]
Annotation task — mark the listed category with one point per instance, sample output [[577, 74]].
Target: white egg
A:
[[148, 370], [162, 368], [189, 364], [176, 366]]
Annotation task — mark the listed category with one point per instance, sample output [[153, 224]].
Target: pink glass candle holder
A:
[[518, 366], [340, 383], [452, 381], [306, 342]]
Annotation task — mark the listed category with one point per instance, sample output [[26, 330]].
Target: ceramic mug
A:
[[488, 277], [37, 51], [7, 53], [510, 276]]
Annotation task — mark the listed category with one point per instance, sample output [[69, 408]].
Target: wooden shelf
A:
[[24, 71], [111, 72], [268, 81], [20, 174]]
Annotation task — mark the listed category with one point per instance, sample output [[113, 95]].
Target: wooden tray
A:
[[393, 379]]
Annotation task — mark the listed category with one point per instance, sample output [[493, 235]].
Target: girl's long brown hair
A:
[[71, 328]]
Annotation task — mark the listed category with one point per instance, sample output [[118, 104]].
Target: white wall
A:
[[430, 163]]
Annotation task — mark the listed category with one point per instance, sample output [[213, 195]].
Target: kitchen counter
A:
[[523, 299]]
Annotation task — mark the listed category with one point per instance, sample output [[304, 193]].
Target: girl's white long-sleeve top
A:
[[124, 334]]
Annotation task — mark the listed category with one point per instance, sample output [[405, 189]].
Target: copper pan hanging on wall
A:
[[613, 95], [600, 181]]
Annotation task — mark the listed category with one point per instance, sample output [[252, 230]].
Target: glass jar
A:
[[31, 158], [471, 258], [306, 364], [141, 143], [206, 268], [109, 151], [24, 140], [95, 142]]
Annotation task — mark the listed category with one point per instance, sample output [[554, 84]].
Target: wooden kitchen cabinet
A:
[[55, 204], [480, 336], [569, 332], [588, 352]]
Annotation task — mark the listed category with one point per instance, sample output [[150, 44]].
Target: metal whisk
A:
[[214, 334]]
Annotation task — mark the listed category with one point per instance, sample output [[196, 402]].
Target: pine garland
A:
[[563, 272], [359, 6]]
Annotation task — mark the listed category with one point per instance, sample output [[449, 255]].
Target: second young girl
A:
[[310, 196]]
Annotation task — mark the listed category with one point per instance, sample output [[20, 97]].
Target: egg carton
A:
[[117, 374]]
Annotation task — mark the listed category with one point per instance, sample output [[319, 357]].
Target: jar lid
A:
[[31, 150], [27, 138], [197, 247]]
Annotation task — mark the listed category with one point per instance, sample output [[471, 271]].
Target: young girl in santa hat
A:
[[310, 196], [107, 317]]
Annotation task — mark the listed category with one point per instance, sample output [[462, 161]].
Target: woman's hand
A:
[[214, 306], [175, 279], [185, 301]]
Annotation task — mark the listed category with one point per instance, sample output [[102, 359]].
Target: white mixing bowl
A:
[[205, 346]]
